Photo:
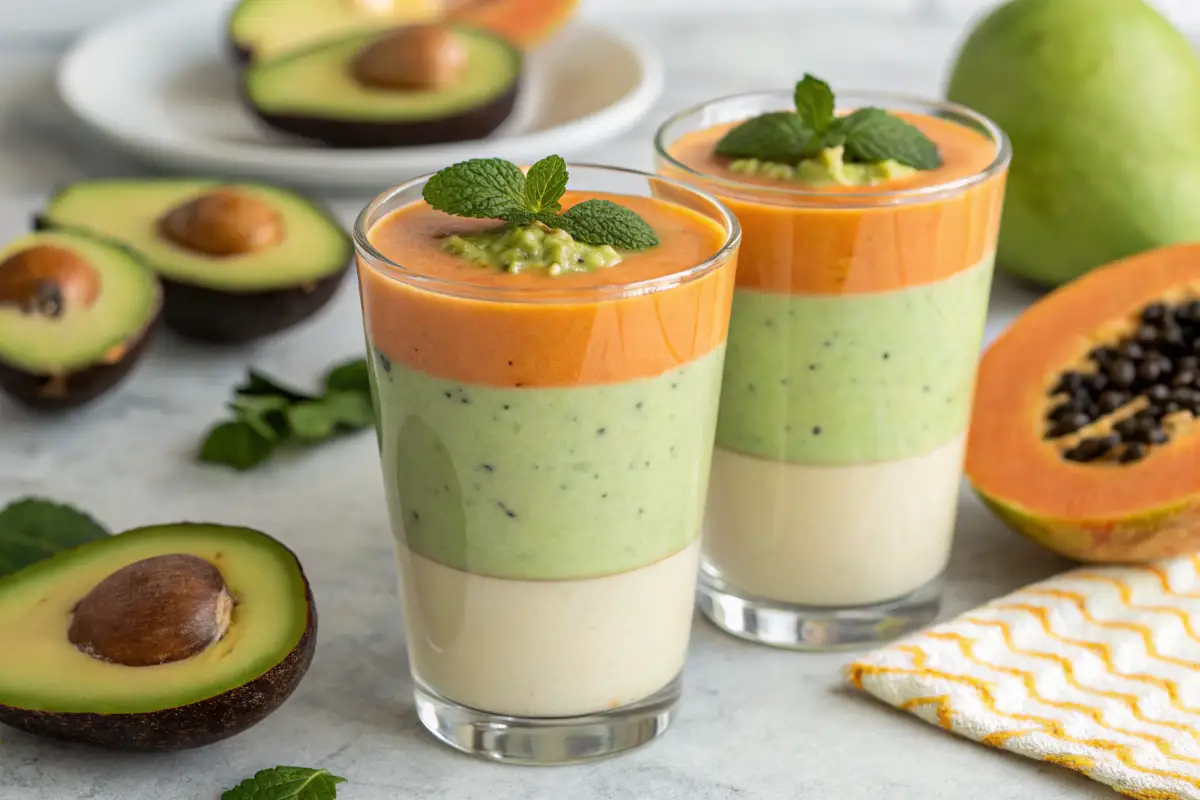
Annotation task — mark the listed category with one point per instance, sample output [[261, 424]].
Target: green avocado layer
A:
[[848, 379], [547, 483]]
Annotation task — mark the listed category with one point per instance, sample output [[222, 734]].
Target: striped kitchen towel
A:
[[1097, 670]]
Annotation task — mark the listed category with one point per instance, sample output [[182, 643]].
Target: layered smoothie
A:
[[857, 319], [546, 432]]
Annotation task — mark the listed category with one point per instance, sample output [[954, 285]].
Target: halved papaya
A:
[[525, 23], [1083, 433]]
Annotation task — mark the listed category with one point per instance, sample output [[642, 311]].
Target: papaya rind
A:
[[1155, 534]]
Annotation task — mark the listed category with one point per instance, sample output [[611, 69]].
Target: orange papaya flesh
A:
[[1121, 483], [525, 23]]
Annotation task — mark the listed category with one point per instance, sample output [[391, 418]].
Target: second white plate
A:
[[161, 84]]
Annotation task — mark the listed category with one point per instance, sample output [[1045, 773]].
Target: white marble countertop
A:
[[756, 723]]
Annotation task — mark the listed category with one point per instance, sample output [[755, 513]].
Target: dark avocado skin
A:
[[82, 386], [473, 123], [222, 317], [217, 317], [186, 727]]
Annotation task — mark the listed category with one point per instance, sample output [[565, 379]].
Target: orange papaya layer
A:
[[838, 240], [555, 331], [1010, 462], [525, 23]]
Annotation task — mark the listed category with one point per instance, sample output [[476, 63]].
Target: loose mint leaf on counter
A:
[[598, 222], [545, 184], [814, 102], [483, 188], [353, 376], [236, 444], [781, 136], [473, 189], [34, 528], [258, 383], [872, 134], [268, 414], [287, 783]]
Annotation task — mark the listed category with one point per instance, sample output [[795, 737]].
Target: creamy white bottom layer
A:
[[548, 648], [832, 536]]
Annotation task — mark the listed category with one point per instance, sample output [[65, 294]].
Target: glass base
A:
[[779, 624], [552, 741]]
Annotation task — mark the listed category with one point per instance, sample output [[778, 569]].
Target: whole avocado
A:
[[1101, 101]]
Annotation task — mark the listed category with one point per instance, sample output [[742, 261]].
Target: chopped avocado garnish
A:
[[492, 188], [868, 135], [33, 528], [829, 167], [519, 248], [286, 783], [159, 638], [267, 414]]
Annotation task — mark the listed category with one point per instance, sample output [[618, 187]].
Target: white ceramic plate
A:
[[161, 84]]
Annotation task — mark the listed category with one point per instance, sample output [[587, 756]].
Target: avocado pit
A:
[[1137, 390], [47, 280], [415, 58], [222, 223], [155, 611]]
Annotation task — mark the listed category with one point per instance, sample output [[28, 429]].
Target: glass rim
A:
[[398, 272], [852, 199]]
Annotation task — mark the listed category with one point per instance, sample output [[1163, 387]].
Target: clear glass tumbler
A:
[[545, 446], [857, 322]]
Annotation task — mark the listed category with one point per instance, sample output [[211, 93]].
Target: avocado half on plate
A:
[[75, 317], [414, 85], [160, 638], [237, 260]]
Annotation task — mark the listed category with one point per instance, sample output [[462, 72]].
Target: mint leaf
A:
[[235, 444], [482, 188], [350, 410], [814, 102], [33, 528], [264, 413], [781, 136], [350, 377], [258, 383], [286, 783], [598, 222], [873, 135], [544, 184]]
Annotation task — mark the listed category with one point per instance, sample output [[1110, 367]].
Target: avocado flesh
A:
[[126, 211], [127, 304], [40, 670], [317, 83], [263, 29]]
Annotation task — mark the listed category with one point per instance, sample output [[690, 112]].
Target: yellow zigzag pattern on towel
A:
[[1058, 621], [987, 696]]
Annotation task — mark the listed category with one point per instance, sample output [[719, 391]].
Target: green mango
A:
[[1101, 100]]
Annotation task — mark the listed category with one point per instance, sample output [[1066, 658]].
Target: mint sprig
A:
[[492, 188], [868, 135], [268, 414], [286, 783]]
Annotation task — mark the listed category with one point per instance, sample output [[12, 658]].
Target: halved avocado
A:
[[264, 29], [415, 85], [237, 261], [160, 638], [75, 317]]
